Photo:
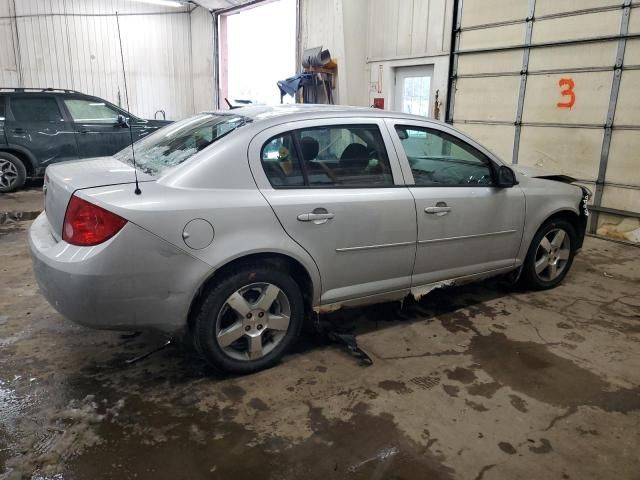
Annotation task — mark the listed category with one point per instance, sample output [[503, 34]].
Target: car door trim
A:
[[435, 240], [371, 247]]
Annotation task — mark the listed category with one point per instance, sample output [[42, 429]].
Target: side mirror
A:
[[506, 177], [123, 121]]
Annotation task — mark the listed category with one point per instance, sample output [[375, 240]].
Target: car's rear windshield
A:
[[177, 142]]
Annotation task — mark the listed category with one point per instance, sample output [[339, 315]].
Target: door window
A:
[[2, 108], [91, 111], [440, 159], [345, 156], [280, 162], [336, 156], [413, 89], [35, 109]]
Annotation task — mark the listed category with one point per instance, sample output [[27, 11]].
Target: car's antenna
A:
[[137, 191]]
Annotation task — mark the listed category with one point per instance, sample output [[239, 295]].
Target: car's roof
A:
[[291, 112]]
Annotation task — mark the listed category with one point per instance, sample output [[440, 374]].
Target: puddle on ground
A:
[[532, 369]]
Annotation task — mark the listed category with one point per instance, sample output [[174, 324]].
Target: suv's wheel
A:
[[550, 255], [13, 173], [249, 320]]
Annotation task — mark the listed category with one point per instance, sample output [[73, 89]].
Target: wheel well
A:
[[24, 158], [578, 222], [277, 260]]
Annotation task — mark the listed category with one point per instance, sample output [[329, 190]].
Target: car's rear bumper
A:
[[134, 280]]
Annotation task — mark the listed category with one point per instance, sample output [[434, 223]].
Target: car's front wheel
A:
[[13, 173], [249, 320], [550, 255]]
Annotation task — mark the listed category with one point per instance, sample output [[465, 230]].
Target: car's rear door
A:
[[466, 225], [36, 123], [337, 189]]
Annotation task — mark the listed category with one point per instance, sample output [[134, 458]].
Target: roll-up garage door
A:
[[556, 85]]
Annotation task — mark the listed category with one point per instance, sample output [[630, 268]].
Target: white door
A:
[[413, 90]]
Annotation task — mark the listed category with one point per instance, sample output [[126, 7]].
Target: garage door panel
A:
[[482, 12], [571, 151], [634, 21], [497, 138], [628, 106], [624, 161], [620, 198], [492, 98], [544, 101], [550, 7], [493, 37], [573, 56], [495, 62], [632, 52], [577, 27]]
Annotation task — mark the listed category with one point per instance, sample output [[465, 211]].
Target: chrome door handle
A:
[[440, 209], [317, 218]]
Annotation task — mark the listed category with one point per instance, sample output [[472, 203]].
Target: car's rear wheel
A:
[[550, 255], [249, 320], [13, 173]]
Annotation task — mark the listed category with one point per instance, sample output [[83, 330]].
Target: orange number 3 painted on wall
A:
[[567, 86]]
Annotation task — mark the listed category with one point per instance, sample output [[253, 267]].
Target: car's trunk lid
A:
[[63, 179]]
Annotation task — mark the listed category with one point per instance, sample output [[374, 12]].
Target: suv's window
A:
[[2, 107], [175, 143], [91, 111], [439, 159], [35, 109], [281, 163]]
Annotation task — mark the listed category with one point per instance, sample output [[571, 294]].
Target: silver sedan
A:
[[247, 221]]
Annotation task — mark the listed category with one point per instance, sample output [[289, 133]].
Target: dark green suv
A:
[[39, 127]]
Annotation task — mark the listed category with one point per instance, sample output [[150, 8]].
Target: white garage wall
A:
[[370, 38], [73, 44]]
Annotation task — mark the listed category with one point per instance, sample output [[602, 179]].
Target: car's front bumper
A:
[[135, 280]]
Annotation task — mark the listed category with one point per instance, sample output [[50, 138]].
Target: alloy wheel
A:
[[253, 321], [552, 254], [8, 173]]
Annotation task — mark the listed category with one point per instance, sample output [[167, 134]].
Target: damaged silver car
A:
[[246, 221]]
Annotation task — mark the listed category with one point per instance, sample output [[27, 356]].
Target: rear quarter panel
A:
[[242, 220]]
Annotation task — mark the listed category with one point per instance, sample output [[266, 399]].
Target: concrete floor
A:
[[480, 381]]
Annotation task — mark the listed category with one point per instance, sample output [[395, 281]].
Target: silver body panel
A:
[[379, 245]]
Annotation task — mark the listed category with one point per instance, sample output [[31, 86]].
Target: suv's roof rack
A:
[[29, 89]]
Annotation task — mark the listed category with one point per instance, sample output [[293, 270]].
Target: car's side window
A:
[[91, 111], [35, 109], [281, 163], [344, 156], [2, 107], [439, 159]]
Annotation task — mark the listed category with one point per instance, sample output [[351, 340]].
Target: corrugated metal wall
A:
[[555, 85], [74, 44], [408, 33], [374, 37]]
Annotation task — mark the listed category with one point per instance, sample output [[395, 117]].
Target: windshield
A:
[[175, 143]]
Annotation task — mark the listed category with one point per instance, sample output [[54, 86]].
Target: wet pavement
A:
[[480, 381]]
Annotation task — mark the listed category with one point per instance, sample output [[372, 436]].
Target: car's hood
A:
[[535, 172]]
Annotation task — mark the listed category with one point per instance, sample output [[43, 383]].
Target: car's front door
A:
[[36, 123], [97, 128], [466, 225], [336, 188]]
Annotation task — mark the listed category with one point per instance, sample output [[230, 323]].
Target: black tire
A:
[[13, 173], [206, 320], [537, 281]]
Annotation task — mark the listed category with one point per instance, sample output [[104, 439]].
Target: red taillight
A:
[[86, 224]]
